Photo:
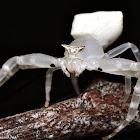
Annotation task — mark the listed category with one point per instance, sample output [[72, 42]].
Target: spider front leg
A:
[[131, 113], [8, 69], [29, 61], [129, 69], [117, 51]]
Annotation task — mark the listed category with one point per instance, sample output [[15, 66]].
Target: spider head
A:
[[72, 51], [72, 63]]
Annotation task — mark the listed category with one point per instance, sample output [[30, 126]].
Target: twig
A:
[[96, 111]]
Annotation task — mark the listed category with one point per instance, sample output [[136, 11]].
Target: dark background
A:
[[42, 28]]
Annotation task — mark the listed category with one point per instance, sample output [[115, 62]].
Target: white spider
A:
[[83, 53]]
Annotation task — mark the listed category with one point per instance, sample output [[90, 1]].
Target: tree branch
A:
[[96, 111]]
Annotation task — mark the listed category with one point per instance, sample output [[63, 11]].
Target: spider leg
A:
[[122, 48], [118, 50], [131, 113], [127, 88], [48, 82], [48, 85], [12, 65], [8, 69], [129, 69], [74, 81]]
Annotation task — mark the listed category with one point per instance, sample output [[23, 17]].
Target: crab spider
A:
[[83, 53]]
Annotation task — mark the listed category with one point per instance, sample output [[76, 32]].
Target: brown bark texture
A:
[[99, 109]]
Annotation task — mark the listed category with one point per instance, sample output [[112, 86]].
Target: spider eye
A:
[[52, 65], [99, 69]]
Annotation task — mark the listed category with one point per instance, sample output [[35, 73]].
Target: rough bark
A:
[[96, 111]]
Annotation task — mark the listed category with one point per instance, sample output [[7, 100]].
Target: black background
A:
[[42, 28]]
